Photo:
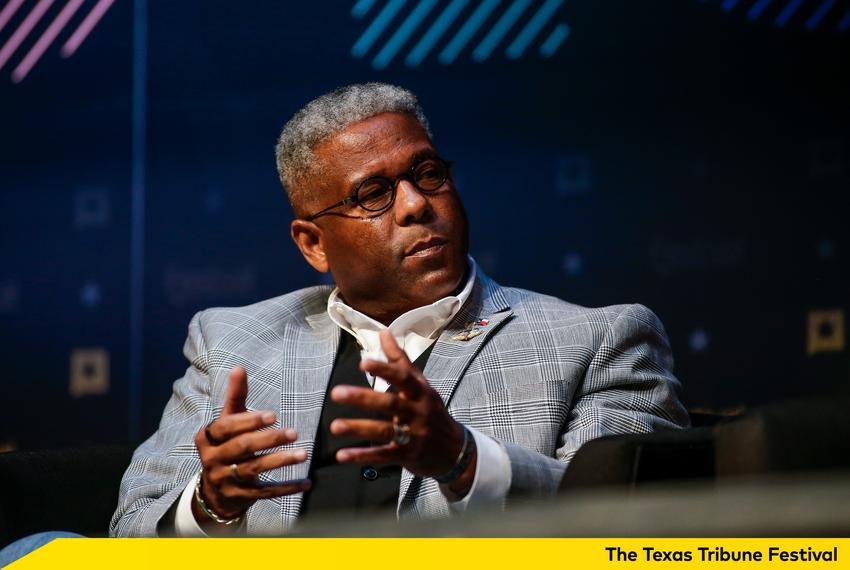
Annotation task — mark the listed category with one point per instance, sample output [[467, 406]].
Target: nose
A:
[[411, 206]]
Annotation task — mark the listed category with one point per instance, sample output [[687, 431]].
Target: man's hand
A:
[[229, 491], [436, 438]]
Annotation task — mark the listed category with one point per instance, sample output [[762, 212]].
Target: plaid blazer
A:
[[543, 377]]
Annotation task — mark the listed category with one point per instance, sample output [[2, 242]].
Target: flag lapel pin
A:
[[472, 330]]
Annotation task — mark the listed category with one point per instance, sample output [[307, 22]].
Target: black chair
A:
[[811, 434], [73, 489], [631, 460], [805, 435]]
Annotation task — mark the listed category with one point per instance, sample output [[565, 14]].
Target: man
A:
[[472, 394]]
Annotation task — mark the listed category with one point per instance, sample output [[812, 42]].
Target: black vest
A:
[[369, 490]]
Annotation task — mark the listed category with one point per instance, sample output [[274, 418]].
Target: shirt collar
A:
[[424, 322]]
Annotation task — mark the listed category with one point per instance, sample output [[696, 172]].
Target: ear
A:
[[308, 237]]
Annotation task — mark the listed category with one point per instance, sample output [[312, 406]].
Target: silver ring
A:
[[401, 433], [234, 472]]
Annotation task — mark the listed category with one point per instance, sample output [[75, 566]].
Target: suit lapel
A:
[[452, 355], [305, 376]]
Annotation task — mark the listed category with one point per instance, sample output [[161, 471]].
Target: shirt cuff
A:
[[185, 524], [492, 477]]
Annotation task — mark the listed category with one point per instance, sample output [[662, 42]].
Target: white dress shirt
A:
[[414, 331]]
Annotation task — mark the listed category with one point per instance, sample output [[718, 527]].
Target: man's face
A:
[[410, 255]]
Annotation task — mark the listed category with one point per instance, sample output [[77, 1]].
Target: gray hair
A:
[[328, 115]]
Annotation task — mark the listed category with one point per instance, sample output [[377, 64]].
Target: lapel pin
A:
[[471, 330]]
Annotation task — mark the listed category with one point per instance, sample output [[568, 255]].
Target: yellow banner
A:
[[439, 554]]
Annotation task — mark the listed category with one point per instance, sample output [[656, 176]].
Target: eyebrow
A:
[[417, 157]]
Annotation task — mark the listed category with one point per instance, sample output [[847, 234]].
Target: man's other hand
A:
[[436, 439], [231, 464]]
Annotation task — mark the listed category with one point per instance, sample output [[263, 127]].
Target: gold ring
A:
[[234, 472]]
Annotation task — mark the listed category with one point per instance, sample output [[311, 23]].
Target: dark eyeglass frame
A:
[[353, 198]]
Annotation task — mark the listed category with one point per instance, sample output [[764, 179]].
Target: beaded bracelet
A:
[[208, 511]]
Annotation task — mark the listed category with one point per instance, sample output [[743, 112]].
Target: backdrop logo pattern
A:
[[89, 372], [811, 14], [484, 22], [825, 331], [24, 31]]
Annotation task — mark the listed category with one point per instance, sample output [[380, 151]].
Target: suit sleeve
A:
[[163, 465], [628, 387]]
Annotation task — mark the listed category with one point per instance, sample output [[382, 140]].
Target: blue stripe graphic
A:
[[844, 24], [359, 10], [821, 11], [757, 9], [533, 27], [451, 51], [362, 45], [436, 31], [497, 32], [787, 12], [137, 216], [728, 5], [402, 34], [555, 39]]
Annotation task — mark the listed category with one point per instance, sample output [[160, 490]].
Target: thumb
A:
[[391, 348], [237, 392]]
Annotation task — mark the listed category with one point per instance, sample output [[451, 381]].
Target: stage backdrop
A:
[[689, 155]]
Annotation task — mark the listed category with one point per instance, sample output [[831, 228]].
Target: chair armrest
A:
[[72, 489]]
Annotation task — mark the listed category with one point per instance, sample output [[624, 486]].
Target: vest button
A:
[[369, 473]]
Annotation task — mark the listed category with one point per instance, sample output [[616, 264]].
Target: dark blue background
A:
[[677, 153]]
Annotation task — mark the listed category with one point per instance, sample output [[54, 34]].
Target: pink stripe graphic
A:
[[23, 30], [80, 34], [9, 11], [45, 40]]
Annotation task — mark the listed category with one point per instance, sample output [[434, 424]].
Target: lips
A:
[[426, 247]]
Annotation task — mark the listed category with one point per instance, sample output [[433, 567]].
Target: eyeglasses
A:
[[377, 193]]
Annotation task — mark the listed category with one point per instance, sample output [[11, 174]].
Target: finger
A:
[[230, 426], [391, 349], [237, 392], [404, 378], [363, 429], [254, 467], [244, 446], [387, 453], [367, 399], [414, 383], [268, 490]]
